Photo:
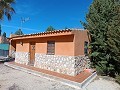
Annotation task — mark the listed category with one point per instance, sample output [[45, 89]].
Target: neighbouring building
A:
[[4, 40], [62, 51], [4, 45], [4, 50]]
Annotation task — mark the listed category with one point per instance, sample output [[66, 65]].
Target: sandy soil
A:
[[103, 84], [11, 79]]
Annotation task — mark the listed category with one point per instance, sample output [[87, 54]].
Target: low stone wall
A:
[[81, 63], [60, 64], [70, 65], [22, 57]]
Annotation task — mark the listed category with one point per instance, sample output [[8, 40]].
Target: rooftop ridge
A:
[[71, 29], [51, 32]]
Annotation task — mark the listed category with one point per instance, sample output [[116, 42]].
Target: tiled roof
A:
[[48, 32]]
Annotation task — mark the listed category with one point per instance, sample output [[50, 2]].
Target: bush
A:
[[101, 70], [118, 79]]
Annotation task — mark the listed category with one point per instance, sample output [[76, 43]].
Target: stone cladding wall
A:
[[81, 63], [70, 65], [22, 57]]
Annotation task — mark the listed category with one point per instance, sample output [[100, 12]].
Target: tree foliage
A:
[[4, 34], [6, 8], [103, 23], [19, 32], [50, 28]]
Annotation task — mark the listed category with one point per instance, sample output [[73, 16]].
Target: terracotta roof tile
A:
[[48, 32]]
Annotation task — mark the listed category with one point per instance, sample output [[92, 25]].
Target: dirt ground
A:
[[11, 79], [103, 84]]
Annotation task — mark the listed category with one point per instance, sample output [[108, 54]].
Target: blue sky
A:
[[43, 13]]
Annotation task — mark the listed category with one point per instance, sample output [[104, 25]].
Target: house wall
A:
[[69, 55], [57, 63], [22, 52], [81, 61], [22, 48], [62, 45], [80, 38], [70, 65], [12, 48]]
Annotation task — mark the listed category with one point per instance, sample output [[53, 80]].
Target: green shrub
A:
[[118, 79]]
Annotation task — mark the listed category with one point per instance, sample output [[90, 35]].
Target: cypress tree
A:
[[19, 32], [4, 34], [50, 28], [103, 23]]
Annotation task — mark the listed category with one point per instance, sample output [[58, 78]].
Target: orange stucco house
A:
[[62, 51]]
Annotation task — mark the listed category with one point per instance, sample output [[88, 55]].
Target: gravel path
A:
[[11, 79], [103, 84]]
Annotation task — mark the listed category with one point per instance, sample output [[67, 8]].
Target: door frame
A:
[[30, 60]]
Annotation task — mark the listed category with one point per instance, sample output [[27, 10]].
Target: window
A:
[[51, 47], [86, 48]]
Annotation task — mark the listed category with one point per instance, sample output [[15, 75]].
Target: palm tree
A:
[[6, 9]]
